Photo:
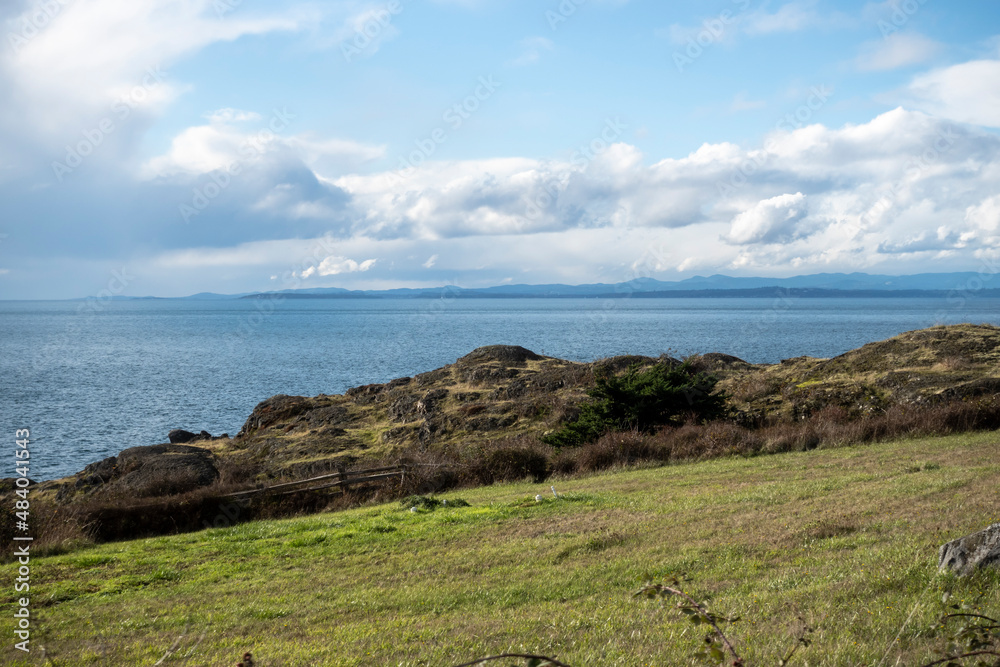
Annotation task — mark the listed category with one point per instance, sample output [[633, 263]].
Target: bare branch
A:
[[523, 656], [708, 616], [961, 657]]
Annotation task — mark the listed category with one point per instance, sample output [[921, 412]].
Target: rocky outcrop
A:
[[275, 409], [180, 436], [149, 471], [505, 354], [501, 392], [972, 552]]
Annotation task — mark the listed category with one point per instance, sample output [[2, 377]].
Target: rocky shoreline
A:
[[503, 394]]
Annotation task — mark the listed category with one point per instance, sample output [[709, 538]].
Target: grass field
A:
[[846, 539]]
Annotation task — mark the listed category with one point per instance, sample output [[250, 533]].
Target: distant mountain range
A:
[[818, 285]]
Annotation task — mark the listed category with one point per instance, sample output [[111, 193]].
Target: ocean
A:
[[91, 378]]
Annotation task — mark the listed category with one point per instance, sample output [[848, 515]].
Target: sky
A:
[[169, 147]]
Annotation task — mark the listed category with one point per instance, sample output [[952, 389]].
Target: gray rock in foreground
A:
[[967, 554]]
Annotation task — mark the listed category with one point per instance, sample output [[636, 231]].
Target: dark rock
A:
[[515, 389], [717, 361], [967, 554], [430, 429], [333, 415], [164, 469], [179, 435], [433, 377], [100, 472], [404, 409], [973, 389], [410, 407], [204, 435], [505, 354], [490, 374], [10, 484], [366, 394], [490, 423], [273, 410], [430, 401]]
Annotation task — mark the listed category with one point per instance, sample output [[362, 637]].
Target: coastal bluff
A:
[[506, 393]]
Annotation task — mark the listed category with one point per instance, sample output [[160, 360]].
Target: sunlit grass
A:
[[846, 539]]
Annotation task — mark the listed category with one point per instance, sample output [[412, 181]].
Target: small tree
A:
[[642, 400]]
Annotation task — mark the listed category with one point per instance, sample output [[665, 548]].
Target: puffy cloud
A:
[[943, 238], [968, 92], [813, 196], [91, 56], [334, 265], [770, 220], [985, 216], [220, 144]]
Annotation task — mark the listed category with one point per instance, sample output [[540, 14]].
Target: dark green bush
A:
[[642, 400]]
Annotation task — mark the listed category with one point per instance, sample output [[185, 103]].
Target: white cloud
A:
[[221, 144], [431, 261], [897, 50], [92, 54], [985, 216], [969, 92], [769, 220], [335, 265], [815, 197]]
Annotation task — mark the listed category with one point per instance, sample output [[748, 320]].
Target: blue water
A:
[[90, 379]]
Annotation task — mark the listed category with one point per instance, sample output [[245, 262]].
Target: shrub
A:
[[641, 400], [511, 464], [616, 449]]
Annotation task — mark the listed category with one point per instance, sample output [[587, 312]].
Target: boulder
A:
[[273, 411], [505, 354], [967, 554], [179, 435], [150, 471]]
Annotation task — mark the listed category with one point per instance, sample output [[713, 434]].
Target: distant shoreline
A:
[[459, 293], [748, 293]]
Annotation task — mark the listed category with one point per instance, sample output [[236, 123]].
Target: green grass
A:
[[845, 538]]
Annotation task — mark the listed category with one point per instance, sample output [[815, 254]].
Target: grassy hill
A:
[[845, 539]]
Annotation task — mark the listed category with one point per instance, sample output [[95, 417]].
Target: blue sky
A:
[[166, 147]]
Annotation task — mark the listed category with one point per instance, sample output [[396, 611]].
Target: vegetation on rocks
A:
[[503, 413], [642, 399]]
